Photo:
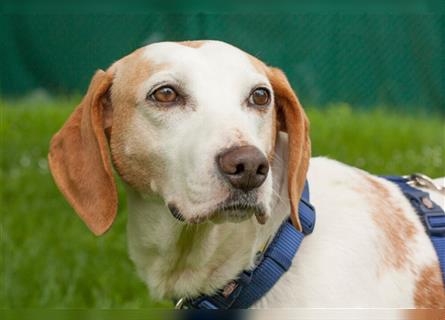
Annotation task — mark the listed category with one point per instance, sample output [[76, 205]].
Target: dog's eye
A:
[[165, 94], [259, 97]]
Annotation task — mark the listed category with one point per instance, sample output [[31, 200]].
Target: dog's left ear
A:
[[292, 119]]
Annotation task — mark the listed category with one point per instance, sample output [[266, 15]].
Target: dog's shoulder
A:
[[369, 233]]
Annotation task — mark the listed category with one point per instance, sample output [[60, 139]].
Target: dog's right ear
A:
[[79, 158]]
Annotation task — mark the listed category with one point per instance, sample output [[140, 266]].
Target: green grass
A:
[[49, 258]]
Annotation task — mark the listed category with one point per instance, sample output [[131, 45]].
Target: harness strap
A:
[[431, 215], [251, 285]]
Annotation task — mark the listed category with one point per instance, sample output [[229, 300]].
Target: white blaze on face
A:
[[216, 80]]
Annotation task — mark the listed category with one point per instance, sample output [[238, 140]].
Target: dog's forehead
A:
[[214, 56], [200, 64]]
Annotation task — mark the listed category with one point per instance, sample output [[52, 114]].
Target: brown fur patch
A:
[[130, 72], [299, 143], [423, 314], [79, 155], [259, 65], [193, 44], [397, 230], [80, 162], [430, 292]]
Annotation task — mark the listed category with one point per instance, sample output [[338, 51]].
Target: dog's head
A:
[[193, 122]]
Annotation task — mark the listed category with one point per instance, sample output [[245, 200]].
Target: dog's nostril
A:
[[262, 169], [239, 168]]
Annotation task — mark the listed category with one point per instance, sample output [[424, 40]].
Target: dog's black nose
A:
[[244, 167]]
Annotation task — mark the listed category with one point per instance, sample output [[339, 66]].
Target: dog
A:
[[213, 148]]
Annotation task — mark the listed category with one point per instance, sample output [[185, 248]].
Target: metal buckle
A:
[[434, 230], [423, 181], [180, 304]]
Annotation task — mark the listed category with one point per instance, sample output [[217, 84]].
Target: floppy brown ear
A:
[[293, 120], [79, 158]]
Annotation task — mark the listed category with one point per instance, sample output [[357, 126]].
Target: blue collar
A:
[[251, 285]]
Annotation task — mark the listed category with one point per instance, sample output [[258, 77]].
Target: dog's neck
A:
[[177, 260]]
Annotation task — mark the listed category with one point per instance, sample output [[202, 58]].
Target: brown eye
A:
[[260, 97], [165, 94]]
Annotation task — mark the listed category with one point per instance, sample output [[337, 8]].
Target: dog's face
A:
[[199, 130], [193, 122]]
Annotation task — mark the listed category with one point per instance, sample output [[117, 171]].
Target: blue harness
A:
[[251, 285], [431, 215]]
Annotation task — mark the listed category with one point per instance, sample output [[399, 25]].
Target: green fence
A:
[[365, 59]]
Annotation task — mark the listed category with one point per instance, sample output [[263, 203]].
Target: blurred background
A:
[[364, 59], [370, 77]]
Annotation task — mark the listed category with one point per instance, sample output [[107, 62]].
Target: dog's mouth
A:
[[236, 208], [239, 212]]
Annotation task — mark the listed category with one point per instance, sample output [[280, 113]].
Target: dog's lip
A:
[[256, 209], [176, 213]]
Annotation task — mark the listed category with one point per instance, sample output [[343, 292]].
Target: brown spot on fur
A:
[[299, 144], [429, 291], [79, 155], [130, 72], [259, 65], [391, 221], [80, 162], [423, 314], [134, 168], [193, 44]]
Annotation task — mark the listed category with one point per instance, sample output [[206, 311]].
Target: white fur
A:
[[218, 78], [339, 265]]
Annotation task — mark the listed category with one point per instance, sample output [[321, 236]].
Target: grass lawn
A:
[[49, 258]]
